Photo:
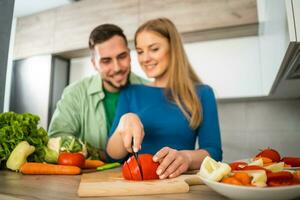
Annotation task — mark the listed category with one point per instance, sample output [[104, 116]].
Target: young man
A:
[[87, 108]]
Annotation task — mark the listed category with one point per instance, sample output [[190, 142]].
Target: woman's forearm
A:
[[195, 157], [115, 147]]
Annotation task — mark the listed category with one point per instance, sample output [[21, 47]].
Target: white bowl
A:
[[253, 193]]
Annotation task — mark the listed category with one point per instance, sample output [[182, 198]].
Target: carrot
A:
[[243, 177], [231, 180], [92, 164], [44, 168]]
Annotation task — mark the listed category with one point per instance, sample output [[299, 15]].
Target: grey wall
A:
[[6, 10], [249, 126]]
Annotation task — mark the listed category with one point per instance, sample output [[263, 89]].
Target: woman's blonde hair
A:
[[182, 79]]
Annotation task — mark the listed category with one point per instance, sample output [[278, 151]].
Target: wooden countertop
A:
[[16, 186]]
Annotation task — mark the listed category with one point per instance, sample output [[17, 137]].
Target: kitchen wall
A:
[[248, 126]]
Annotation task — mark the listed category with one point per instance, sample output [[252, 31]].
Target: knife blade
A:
[[136, 157]]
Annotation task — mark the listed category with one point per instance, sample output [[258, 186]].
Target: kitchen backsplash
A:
[[248, 126]]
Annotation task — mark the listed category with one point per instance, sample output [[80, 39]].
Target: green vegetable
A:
[[19, 155], [94, 153], [15, 128], [51, 156], [67, 144], [108, 166]]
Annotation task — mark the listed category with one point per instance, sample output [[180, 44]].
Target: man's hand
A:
[[131, 130], [172, 162]]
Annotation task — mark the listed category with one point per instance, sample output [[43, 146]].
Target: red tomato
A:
[[134, 168], [73, 159], [280, 178], [237, 165], [293, 161], [149, 167], [270, 153], [131, 170], [126, 171]]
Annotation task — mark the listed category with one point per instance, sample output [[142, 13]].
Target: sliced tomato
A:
[[293, 161], [134, 169], [126, 171], [131, 169], [237, 165], [149, 167], [280, 176]]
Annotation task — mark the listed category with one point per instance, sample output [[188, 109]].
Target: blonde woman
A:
[[168, 116]]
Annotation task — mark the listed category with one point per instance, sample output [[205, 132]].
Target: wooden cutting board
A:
[[111, 183]]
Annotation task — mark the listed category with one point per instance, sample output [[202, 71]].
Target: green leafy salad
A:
[[15, 128]]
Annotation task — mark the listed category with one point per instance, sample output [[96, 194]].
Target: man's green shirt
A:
[[80, 111], [110, 105]]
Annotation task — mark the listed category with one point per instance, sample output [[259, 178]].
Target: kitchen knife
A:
[[136, 157]]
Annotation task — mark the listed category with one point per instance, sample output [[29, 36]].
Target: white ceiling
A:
[[28, 7]]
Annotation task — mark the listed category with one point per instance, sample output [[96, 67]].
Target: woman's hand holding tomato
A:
[[172, 162]]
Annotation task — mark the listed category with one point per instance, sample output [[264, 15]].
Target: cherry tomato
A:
[[131, 170], [73, 159], [270, 153]]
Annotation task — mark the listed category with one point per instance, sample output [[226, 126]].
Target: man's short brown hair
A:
[[103, 33]]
